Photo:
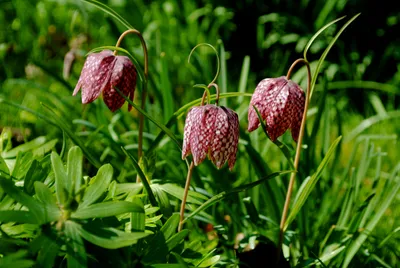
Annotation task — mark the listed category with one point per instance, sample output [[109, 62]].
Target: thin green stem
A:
[[185, 193], [217, 92], [144, 86], [216, 53], [297, 156]]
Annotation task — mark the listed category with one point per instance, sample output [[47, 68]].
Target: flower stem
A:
[[185, 193], [144, 86], [297, 156]]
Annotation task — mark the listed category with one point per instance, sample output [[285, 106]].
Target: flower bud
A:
[[280, 103], [211, 131], [101, 73]]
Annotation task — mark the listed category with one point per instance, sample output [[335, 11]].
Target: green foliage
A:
[[68, 190]]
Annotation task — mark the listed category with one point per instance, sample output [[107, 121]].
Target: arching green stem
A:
[[297, 156], [144, 86], [216, 53]]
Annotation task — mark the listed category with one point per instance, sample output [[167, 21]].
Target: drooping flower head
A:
[[101, 73], [281, 104], [212, 131]]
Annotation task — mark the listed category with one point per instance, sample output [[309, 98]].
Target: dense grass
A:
[[68, 191]]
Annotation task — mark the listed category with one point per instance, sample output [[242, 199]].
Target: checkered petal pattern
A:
[[101, 73], [211, 131], [280, 103]]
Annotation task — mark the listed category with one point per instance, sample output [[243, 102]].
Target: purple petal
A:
[[219, 147], [191, 119], [123, 76], [95, 75], [233, 137], [203, 132], [297, 100]]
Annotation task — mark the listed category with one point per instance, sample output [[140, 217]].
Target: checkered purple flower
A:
[[280, 103], [211, 131], [101, 73]]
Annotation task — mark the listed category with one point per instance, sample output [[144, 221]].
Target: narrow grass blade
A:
[[156, 122], [367, 123], [325, 53], [223, 195], [143, 178], [110, 11], [166, 88], [357, 243], [60, 122], [284, 149], [244, 74], [317, 34], [310, 184]]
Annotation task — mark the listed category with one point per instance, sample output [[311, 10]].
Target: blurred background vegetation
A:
[[357, 96]]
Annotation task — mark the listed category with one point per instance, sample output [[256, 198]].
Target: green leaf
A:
[[34, 207], [76, 253], [106, 209], [74, 168], [63, 125], [22, 165], [157, 249], [38, 171], [325, 53], [149, 117], [284, 149], [389, 197], [310, 184], [43, 194], [63, 186], [177, 192], [168, 101], [48, 250], [170, 227], [3, 166], [110, 238], [143, 178], [26, 147], [110, 11], [138, 219], [317, 34], [18, 216], [223, 195], [176, 239], [98, 185], [17, 260]]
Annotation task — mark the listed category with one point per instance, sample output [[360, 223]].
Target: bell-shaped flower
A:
[[101, 73], [280, 103], [211, 131]]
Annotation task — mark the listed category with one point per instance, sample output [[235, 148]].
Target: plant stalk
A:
[[185, 193], [297, 156], [144, 86]]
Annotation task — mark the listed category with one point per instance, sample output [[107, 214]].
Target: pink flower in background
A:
[[101, 73], [280, 103], [211, 131]]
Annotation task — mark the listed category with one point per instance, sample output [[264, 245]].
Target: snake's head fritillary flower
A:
[[101, 73], [280, 103], [211, 131]]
